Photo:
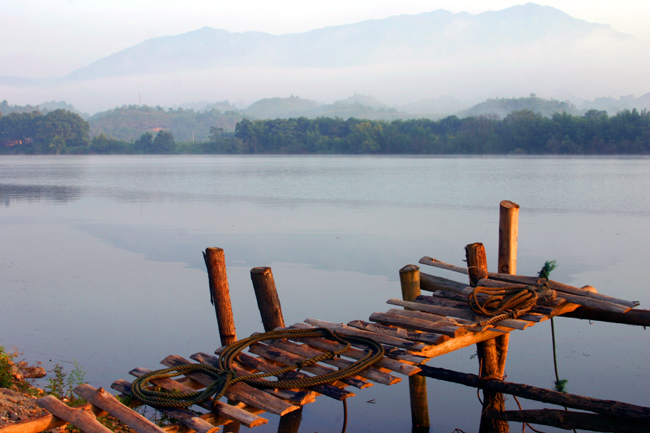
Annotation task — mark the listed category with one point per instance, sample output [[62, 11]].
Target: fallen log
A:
[[605, 407]]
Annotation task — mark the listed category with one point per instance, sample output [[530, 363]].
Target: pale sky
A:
[[43, 38]]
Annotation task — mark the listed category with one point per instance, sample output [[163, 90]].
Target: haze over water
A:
[[102, 259]]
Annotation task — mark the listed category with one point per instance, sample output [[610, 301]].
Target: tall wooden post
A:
[[215, 262], [507, 264], [409, 277], [268, 301], [487, 350]]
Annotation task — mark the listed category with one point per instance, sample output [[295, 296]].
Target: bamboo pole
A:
[[409, 277], [215, 261], [488, 353], [268, 301]]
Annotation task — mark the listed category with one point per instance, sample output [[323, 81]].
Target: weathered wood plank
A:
[[454, 300], [245, 415], [417, 324], [286, 358], [424, 337], [261, 364], [459, 313], [82, 418], [352, 352], [239, 391], [306, 351], [381, 338], [101, 398], [295, 396]]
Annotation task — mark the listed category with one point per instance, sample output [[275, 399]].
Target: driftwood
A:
[[79, 417], [605, 407], [572, 420]]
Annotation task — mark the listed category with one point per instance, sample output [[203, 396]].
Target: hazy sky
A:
[[53, 37]]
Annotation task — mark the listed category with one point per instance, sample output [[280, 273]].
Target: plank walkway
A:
[[413, 333]]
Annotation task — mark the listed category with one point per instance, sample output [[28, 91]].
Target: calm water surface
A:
[[101, 260]]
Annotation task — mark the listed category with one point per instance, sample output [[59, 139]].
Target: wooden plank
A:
[[239, 391], [448, 300], [189, 419], [352, 352], [465, 313], [450, 324], [82, 418], [306, 351], [433, 283], [430, 261], [295, 396], [101, 398], [424, 337], [417, 324], [245, 416], [261, 364], [287, 358], [381, 338]]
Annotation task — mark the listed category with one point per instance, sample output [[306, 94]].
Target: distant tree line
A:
[[520, 132]]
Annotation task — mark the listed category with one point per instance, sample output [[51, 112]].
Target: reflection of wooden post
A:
[[215, 261], [508, 233], [409, 277], [268, 301], [487, 350]]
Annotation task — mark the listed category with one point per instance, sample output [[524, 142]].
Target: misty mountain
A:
[[508, 53], [501, 107], [428, 36]]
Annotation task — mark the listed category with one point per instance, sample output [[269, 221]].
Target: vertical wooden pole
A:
[[268, 301], [215, 262], [508, 233], [409, 277], [487, 350], [507, 264]]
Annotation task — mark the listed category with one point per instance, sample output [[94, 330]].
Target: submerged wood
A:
[[569, 420], [605, 407], [82, 418]]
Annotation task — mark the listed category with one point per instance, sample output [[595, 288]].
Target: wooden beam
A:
[[605, 407], [82, 418]]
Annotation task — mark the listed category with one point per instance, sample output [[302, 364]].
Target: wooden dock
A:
[[413, 330]]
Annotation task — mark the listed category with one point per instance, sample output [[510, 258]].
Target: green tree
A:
[[69, 127], [164, 142], [144, 144]]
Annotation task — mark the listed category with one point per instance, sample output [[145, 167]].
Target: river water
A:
[[101, 260]]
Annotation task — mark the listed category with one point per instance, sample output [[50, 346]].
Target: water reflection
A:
[[37, 193]]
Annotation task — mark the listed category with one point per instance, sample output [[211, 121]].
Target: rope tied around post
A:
[[224, 375], [507, 302]]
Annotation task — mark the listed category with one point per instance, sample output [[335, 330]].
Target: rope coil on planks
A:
[[146, 392], [507, 302]]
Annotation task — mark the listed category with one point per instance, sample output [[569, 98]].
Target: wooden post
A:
[[409, 277], [508, 232], [215, 261], [487, 350], [507, 264], [268, 301]]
